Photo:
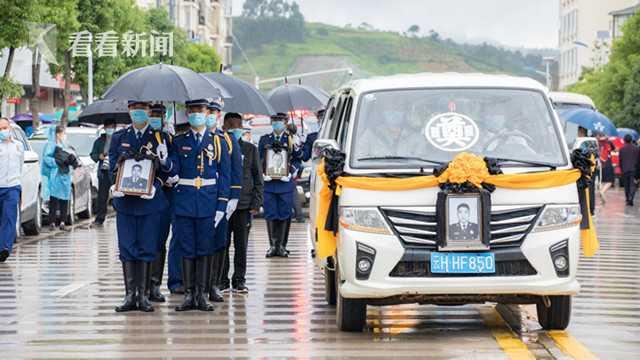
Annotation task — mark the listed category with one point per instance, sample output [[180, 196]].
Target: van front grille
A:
[[418, 226]]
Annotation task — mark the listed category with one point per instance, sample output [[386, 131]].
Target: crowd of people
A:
[[203, 188], [629, 163]]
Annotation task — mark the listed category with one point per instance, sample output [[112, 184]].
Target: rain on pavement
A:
[[57, 296]]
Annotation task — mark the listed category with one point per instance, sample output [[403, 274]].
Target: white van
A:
[[388, 247]]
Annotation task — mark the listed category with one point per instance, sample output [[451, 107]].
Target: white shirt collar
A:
[[142, 131], [201, 132]]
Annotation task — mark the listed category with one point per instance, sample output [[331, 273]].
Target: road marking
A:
[[570, 345], [66, 290], [510, 343]]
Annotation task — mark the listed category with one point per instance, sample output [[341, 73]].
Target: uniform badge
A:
[[125, 145], [210, 147], [186, 148], [149, 145]]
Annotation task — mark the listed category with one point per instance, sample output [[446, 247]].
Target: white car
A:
[[392, 247], [29, 217], [82, 139]]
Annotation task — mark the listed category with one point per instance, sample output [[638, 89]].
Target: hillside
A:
[[374, 53]]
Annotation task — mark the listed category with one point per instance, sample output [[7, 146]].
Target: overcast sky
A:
[[530, 23]]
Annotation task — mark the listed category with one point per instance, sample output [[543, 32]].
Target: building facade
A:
[[205, 21], [620, 17], [584, 37]]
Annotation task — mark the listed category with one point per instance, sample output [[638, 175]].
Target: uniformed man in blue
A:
[[200, 201], [137, 216], [161, 136], [279, 193], [221, 236]]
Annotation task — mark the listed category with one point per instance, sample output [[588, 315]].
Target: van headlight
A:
[[556, 217], [367, 220]]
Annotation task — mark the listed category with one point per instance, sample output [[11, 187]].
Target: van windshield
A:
[[421, 127]]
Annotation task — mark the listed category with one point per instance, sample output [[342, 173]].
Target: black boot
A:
[[285, 241], [202, 269], [217, 264], [271, 227], [143, 271], [188, 273], [129, 303], [157, 269], [280, 237]]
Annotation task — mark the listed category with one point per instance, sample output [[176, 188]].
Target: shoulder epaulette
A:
[[229, 143]]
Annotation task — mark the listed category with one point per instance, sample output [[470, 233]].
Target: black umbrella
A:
[[162, 82], [101, 110], [288, 97], [246, 98]]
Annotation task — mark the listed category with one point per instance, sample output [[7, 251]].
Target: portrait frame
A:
[[125, 182], [466, 234], [277, 164]]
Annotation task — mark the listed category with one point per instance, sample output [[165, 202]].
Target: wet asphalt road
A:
[[57, 295]]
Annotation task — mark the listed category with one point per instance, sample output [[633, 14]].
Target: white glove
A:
[[297, 140], [162, 153], [114, 193], [232, 205], [266, 178], [173, 180], [149, 197], [218, 218], [286, 178]]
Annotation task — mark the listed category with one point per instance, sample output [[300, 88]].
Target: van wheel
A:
[[330, 286], [557, 316], [34, 226], [351, 314], [88, 212]]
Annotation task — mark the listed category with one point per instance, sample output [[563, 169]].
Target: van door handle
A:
[[31, 161]]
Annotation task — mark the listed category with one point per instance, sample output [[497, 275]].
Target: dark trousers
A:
[[629, 185], [9, 198], [239, 225], [104, 183], [57, 210]]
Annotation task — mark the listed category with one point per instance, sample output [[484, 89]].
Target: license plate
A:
[[463, 263]]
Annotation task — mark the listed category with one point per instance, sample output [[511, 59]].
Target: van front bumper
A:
[[389, 251]]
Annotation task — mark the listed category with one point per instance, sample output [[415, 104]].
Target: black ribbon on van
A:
[[584, 160], [334, 168]]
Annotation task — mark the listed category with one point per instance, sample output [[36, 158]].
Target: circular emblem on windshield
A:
[[452, 132]]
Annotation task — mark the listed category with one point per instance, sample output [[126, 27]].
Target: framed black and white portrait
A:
[[135, 177], [277, 164], [464, 222]]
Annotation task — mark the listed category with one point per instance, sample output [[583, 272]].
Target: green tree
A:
[[14, 33], [413, 30], [630, 111]]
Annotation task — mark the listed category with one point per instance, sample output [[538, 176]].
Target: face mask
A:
[[4, 134], [138, 116], [109, 131], [237, 133], [212, 121], [393, 117], [155, 123], [278, 126], [196, 119]]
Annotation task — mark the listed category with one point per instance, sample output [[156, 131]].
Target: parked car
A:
[[390, 248], [82, 188], [30, 214]]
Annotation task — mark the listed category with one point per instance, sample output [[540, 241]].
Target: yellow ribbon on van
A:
[[464, 167]]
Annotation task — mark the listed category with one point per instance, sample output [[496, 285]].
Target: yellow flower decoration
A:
[[465, 167]]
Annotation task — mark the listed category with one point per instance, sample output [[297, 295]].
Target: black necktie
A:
[[138, 135], [198, 138]]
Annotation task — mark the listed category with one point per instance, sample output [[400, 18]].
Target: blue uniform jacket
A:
[[295, 160], [236, 165], [208, 160], [124, 143]]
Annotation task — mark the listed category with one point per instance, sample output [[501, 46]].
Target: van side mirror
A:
[[321, 144]]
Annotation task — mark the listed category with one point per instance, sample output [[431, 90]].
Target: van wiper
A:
[[407, 158], [501, 161]]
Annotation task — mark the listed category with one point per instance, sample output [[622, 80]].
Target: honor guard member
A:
[[200, 201], [137, 216], [279, 193], [221, 236], [161, 137]]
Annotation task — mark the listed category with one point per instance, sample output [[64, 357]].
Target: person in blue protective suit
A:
[[161, 136], [279, 193], [138, 217], [200, 159], [58, 159], [218, 259]]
